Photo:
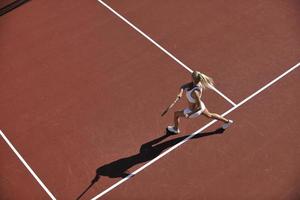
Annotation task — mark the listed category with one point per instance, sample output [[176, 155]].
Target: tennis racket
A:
[[170, 106]]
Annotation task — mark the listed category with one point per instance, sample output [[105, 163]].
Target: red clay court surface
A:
[[82, 92]]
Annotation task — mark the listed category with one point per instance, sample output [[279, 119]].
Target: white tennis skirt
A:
[[196, 114]]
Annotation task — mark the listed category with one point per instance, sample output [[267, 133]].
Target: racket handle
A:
[[164, 113]]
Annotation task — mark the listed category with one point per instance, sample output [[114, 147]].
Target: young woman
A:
[[196, 106]]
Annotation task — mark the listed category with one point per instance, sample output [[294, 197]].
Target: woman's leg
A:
[[177, 116], [214, 116]]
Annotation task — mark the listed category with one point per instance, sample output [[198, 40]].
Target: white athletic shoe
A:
[[173, 130], [226, 125]]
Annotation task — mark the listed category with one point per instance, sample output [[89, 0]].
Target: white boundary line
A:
[[27, 166], [160, 47], [193, 134]]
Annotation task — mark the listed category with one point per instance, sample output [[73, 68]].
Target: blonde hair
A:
[[206, 81]]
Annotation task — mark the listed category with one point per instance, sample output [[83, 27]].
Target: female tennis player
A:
[[196, 107]]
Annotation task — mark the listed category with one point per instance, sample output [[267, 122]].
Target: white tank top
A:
[[189, 93]]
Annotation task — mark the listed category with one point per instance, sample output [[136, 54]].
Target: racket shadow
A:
[[148, 151]]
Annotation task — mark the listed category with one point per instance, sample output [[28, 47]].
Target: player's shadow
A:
[[148, 151]]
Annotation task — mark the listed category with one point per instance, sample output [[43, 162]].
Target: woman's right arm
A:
[[180, 93], [182, 88], [185, 86]]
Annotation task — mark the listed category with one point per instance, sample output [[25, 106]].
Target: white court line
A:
[[193, 134], [161, 48], [27, 166]]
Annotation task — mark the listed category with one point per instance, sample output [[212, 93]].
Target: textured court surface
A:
[[82, 93]]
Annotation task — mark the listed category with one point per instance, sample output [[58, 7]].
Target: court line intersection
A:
[[161, 48]]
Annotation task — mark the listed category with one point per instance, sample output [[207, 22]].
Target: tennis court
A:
[[84, 84]]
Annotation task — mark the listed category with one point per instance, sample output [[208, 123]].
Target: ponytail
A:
[[206, 81]]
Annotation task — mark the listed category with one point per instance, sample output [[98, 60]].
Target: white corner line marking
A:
[[160, 47], [193, 134], [225, 97], [27, 166]]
